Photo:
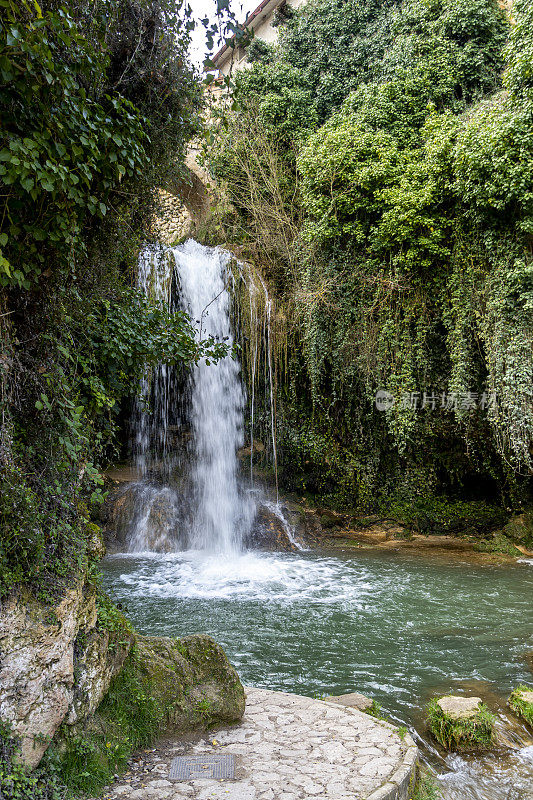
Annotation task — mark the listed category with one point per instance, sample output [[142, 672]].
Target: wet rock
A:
[[270, 531], [459, 707], [118, 515], [351, 700], [148, 511], [246, 452]]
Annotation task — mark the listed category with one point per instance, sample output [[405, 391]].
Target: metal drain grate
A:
[[187, 768]]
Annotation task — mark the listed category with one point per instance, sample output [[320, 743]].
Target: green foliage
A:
[[375, 710], [110, 617], [97, 108], [52, 164], [519, 52], [408, 261], [16, 783], [129, 717], [498, 544], [520, 705], [259, 50], [469, 733], [426, 787], [446, 51], [438, 515], [343, 169], [281, 97]]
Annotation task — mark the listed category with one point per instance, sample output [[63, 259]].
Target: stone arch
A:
[[183, 201]]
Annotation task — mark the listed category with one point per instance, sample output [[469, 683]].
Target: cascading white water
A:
[[222, 512], [194, 497], [150, 444]]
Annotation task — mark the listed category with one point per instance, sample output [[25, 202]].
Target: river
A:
[[397, 627]]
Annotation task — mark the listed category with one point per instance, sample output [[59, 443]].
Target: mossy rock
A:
[[191, 679], [520, 529], [166, 686], [461, 723], [521, 702]]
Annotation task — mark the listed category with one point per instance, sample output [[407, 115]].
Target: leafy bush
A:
[[16, 783], [406, 260]]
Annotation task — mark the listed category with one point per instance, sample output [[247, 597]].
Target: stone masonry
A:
[[287, 747]]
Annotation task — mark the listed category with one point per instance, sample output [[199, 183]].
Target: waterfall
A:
[[150, 430], [222, 512], [187, 428]]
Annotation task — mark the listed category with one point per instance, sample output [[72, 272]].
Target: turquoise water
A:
[[397, 627]]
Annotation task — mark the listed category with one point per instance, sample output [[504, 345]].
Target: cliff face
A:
[[57, 664]]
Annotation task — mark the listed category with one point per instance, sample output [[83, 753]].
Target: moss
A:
[[471, 733], [520, 528], [426, 787], [165, 684], [520, 705], [498, 543]]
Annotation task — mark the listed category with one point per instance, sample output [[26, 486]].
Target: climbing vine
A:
[[406, 144]]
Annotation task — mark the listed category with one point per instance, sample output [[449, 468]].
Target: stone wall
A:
[[183, 202], [173, 221]]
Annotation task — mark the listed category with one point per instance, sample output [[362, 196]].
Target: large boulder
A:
[[192, 679], [271, 531]]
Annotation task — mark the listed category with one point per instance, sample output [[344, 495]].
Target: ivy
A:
[[58, 168], [408, 267]]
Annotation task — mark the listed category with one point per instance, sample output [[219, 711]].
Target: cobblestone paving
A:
[[287, 747]]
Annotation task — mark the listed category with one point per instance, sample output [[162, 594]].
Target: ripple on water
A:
[[395, 627]]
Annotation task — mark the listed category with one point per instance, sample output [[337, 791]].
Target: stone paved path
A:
[[287, 747]]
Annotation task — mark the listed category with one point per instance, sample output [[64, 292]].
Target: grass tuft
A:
[[521, 706], [426, 787], [474, 733]]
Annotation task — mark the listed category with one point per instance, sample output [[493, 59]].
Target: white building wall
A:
[[235, 58]]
